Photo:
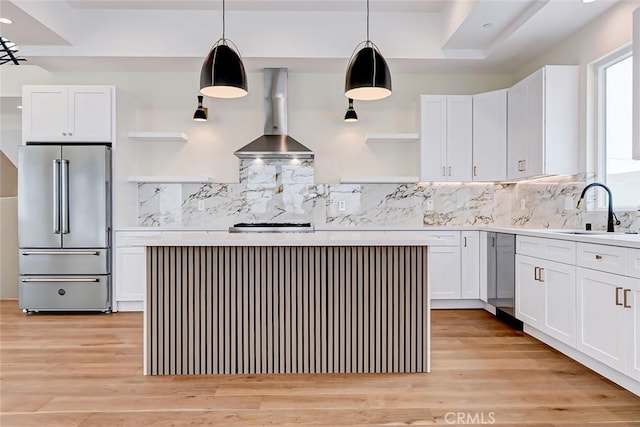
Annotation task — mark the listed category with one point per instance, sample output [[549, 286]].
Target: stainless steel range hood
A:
[[275, 143]]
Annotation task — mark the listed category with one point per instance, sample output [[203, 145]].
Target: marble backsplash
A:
[[284, 191]]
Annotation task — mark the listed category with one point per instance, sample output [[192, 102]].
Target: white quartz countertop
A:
[[596, 237], [318, 238], [368, 236]]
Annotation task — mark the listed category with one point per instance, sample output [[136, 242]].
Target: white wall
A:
[[613, 30], [8, 247]]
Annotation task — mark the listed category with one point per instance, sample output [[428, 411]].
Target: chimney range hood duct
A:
[[275, 143]]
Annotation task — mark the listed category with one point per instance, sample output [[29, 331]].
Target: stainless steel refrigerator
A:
[[64, 227]]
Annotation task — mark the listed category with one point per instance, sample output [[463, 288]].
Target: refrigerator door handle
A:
[[60, 253], [59, 279], [56, 196], [65, 196]]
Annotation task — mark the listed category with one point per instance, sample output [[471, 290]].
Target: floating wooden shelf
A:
[[170, 179], [392, 137], [379, 179], [158, 136]]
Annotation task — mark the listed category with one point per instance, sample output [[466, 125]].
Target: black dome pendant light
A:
[[368, 76], [201, 112], [351, 115], [223, 74]]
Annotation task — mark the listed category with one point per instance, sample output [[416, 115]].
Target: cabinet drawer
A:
[[445, 238], [555, 250], [65, 261], [611, 259], [60, 293], [633, 262], [125, 238]]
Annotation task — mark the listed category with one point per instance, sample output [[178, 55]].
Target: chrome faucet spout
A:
[[610, 214]]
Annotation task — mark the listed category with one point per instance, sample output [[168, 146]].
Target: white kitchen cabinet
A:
[[603, 320], [470, 265], [129, 278], [446, 136], [490, 136], [529, 292], [546, 296], [542, 125], [129, 271], [444, 265], [632, 338], [67, 113], [444, 272]]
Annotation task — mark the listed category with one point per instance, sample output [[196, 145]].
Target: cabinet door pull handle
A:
[[626, 303], [524, 165], [465, 241], [475, 171], [444, 171], [541, 274], [598, 256], [449, 170], [536, 273], [493, 242], [618, 289]]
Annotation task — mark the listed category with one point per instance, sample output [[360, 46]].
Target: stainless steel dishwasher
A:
[[501, 276]]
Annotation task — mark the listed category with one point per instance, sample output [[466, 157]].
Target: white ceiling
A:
[[303, 35]]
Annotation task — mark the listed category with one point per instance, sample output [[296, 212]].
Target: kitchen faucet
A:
[[610, 214]]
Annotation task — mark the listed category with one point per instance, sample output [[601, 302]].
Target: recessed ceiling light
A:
[[587, 1], [487, 25], [19, 107], [6, 21]]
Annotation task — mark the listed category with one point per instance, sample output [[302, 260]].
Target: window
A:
[[616, 167]]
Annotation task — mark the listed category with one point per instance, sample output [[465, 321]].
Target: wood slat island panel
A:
[[286, 309]]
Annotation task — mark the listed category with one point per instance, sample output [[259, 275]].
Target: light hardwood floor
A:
[[86, 370]]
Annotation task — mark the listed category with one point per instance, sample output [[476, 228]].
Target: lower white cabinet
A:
[[130, 278], [470, 265], [454, 266], [546, 297], [444, 272], [129, 271], [633, 332], [609, 319]]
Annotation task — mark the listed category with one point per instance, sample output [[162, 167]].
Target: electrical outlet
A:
[[523, 204], [200, 205], [429, 204], [342, 205], [569, 204]]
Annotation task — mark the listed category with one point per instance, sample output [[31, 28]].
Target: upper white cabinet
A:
[[542, 127], [67, 113], [490, 136], [446, 133]]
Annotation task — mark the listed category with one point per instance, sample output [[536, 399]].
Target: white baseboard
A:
[[457, 303], [128, 306]]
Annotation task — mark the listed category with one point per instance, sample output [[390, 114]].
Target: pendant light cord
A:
[[223, 24], [368, 38]]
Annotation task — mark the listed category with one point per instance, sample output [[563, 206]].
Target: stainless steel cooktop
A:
[[272, 227]]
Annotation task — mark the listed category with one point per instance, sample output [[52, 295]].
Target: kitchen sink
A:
[[583, 232]]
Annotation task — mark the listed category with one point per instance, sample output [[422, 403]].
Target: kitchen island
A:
[[221, 303]]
